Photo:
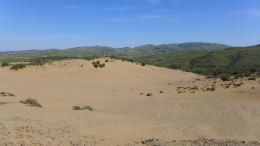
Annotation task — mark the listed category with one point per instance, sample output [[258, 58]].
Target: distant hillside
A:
[[140, 51], [239, 60]]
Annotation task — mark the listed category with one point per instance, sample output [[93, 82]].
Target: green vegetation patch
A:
[[76, 107], [7, 94], [31, 102], [4, 64], [18, 66], [149, 94]]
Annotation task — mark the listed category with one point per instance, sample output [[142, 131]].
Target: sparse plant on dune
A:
[[97, 64], [252, 78], [18, 66], [102, 65], [3, 103], [87, 108], [31, 102], [211, 89], [76, 107], [225, 78], [149, 94], [161, 91], [4, 64], [7, 94]]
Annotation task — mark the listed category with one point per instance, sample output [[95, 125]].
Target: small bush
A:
[[161, 91], [18, 66], [143, 64], [252, 78], [106, 60], [76, 107], [87, 108], [2, 103], [7, 94], [141, 93], [225, 78], [149, 94], [31, 102], [5, 64], [211, 89], [102, 65], [97, 64]]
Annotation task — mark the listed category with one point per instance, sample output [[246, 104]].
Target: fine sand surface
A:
[[123, 116]]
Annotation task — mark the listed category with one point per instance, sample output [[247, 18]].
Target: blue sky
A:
[[61, 24]]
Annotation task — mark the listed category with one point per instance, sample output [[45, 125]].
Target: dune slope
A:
[[123, 114]]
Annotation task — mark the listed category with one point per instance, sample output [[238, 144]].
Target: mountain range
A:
[[127, 52]]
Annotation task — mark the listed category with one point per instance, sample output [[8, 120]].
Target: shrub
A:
[[5, 64], [87, 108], [143, 64], [18, 66], [31, 102], [252, 78], [7, 94], [97, 64], [2, 103], [101, 65], [161, 91], [211, 89], [225, 78], [76, 107], [141, 93], [149, 94], [106, 60]]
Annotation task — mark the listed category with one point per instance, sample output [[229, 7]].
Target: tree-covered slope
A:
[[240, 60], [140, 51]]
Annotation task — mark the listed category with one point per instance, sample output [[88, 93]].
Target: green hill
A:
[[235, 61], [140, 51]]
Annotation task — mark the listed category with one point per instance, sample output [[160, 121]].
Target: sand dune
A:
[[122, 115]]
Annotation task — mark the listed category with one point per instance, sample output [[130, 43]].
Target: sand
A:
[[123, 114]]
